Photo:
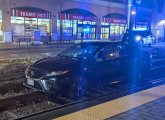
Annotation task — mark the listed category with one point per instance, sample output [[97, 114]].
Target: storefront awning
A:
[[78, 12], [116, 16]]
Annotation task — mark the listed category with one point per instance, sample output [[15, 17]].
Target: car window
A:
[[112, 52], [80, 50]]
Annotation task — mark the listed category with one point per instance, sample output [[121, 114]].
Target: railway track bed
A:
[[29, 109], [36, 102]]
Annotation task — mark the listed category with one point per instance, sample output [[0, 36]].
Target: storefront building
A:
[[77, 22], [113, 26], [24, 21], [142, 19], [1, 32], [72, 19]]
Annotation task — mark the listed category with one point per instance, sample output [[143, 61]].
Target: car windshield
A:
[[80, 51]]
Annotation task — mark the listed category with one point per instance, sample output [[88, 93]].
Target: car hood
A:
[[56, 64]]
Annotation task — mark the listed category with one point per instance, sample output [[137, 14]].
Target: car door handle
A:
[[133, 60]]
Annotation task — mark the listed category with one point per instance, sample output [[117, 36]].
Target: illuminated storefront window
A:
[[88, 28], [117, 31], [112, 28], [0, 20], [75, 25], [44, 26], [105, 33], [67, 27], [1, 33], [24, 23]]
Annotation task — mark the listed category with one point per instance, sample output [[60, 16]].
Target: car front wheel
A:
[[79, 87]]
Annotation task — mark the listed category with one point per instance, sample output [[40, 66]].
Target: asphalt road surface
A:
[[9, 54]]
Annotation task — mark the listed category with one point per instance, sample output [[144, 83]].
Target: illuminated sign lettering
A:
[[81, 17], [28, 14], [119, 21]]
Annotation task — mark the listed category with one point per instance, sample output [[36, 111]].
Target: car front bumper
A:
[[39, 85]]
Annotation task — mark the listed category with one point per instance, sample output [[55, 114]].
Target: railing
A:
[[45, 40], [20, 39]]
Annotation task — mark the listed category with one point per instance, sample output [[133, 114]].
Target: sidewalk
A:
[[12, 46], [154, 110]]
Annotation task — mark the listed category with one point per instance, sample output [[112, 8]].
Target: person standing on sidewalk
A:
[[82, 36]]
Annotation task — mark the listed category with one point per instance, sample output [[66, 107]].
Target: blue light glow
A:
[[86, 30], [138, 38], [133, 12]]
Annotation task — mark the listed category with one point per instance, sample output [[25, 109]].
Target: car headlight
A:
[[48, 84], [138, 38], [57, 73]]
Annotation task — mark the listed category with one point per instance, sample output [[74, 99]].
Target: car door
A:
[[132, 61], [126, 60], [116, 63], [107, 65]]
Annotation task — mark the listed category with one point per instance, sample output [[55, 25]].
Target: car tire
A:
[[79, 87], [150, 45], [143, 75]]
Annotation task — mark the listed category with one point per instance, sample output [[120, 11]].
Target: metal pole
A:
[[61, 24], [129, 13]]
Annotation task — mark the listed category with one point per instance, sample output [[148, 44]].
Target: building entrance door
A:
[[88, 31]]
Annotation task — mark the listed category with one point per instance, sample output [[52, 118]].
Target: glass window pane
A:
[[44, 26], [17, 26]]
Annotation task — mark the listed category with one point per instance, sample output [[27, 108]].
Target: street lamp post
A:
[[133, 19], [129, 14]]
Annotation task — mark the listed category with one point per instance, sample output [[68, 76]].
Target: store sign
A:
[[81, 17], [142, 23], [20, 13], [117, 21], [114, 21], [78, 17], [106, 20]]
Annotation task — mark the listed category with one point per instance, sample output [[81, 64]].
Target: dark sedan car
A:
[[86, 65], [141, 38]]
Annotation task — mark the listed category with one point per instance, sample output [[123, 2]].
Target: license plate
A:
[[30, 82]]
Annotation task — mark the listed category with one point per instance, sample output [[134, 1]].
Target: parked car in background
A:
[[141, 38]]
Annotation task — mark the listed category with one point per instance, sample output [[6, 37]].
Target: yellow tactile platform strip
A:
[[117, 106]]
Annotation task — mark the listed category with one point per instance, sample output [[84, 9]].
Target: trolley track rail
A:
[[70, 102], [14, 87], [23, 100], [65, 101]]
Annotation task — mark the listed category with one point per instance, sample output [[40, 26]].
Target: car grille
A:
[[37, 85]]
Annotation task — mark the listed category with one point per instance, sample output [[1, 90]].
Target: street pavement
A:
[[9, 51], [29, 53]]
